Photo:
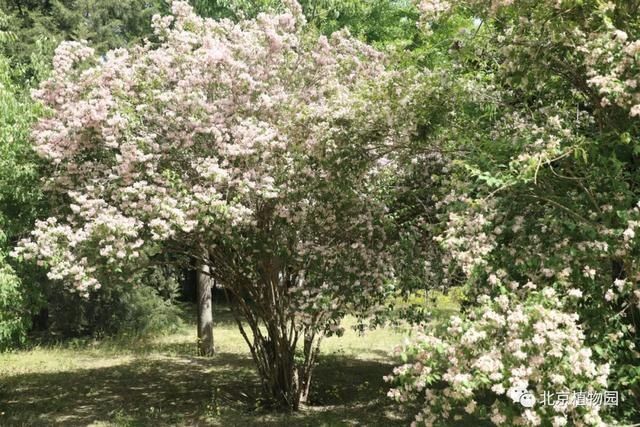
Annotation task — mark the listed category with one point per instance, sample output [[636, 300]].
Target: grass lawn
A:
[[160, 381]]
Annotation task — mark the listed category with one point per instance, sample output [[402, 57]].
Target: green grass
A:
[[160, 381]]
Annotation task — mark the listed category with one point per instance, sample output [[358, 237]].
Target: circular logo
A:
[[522, 396], [527, 400]]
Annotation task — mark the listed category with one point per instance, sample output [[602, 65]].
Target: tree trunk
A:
[[262, 311], [281, 385], [286, 380], [310, 352], [205, 313]]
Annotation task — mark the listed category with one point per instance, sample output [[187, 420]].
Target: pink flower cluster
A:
[[502, 345], [219, 133]]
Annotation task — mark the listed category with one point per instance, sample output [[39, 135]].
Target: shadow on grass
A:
[[218, 391], [141, 392], [151, 382], [339, 380]]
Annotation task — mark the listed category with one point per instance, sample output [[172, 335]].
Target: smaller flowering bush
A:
[[541, 194], [472, 364], [613, 61]]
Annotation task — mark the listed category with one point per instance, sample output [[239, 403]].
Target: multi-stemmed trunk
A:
[[286, 378], [258, 285], [284, 352]]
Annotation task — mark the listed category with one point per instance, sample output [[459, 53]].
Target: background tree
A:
[[205, 286], [20, 202], [40, 25]]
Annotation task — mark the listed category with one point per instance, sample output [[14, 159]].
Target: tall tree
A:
[[205, 285]]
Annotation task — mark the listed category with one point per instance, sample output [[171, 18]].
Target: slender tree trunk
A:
[[310, 352], [205, 313]]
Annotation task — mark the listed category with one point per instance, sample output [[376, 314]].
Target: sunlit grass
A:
[[157, 381]]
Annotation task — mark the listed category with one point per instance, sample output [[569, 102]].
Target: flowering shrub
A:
[[504, 344], [541, 199], [249, 146]]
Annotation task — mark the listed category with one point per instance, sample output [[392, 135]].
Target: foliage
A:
[[250, 146], [20, 202], [378, 22], [542, 192], [5, 34], [24, 292], [13, 325], [39, 26], [145, 308], [375, 21], [497, 348], [20, 196]]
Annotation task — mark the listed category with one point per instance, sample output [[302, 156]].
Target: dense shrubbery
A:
[[469, 364], [13, 323], [541, 194], [20, 202], [148, 307], [25, 292]]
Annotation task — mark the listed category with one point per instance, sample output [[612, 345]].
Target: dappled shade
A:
[[170, 390]]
